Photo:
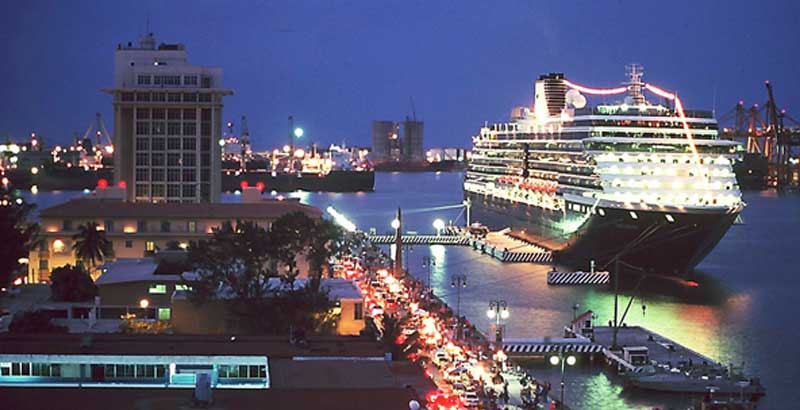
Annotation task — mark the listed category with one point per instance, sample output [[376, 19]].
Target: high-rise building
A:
[[167, 122], [412, 140], [385, 138]]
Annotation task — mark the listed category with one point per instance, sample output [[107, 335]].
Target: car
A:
[[440, 358], [376, 311], [470, 399], [456, 374], [459, 388]]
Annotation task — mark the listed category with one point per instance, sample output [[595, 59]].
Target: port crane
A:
[[770, 135]]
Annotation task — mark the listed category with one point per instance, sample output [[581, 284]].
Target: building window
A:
[[150, 246], [142, 159], [127, 97], [188, 191], [205, 81], [174, 97], [164, 313], [129, 244], [145, 97], [142, 113], [43, 264], [189, 114], [205, 160], [173, 159], [174, 114], [141, 226], [158, 145], [142, 128], [173, 190], [158, 191], [158, 289], [205, 129], [358, 311], [158, 113], [142, 144], [165, 225], [189, 144], [66, 225], [157, 174], [188, 174], [159, 97], [173, 175], [190, 97], [205, 144], [190, 80], [143, 79], [204, 97], [205, 174], [142, 190], [174, 143], [205, 114], [189, 128], [142, 174], [108, 225], [189, 160], [174, 128], [158, 128], [191, 226]]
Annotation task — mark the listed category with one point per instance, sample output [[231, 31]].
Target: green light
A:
[[298, 132]]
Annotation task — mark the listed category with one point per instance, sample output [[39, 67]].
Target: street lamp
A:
[[560, 359], [298, 132], [458, 281], [498, 310], [429, 262], [395, 224], [438, 225]]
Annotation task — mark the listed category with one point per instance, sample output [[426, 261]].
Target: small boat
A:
[[699, 381]]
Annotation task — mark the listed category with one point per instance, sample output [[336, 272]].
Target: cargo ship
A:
[[650, 185]]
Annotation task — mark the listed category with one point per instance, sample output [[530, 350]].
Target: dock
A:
[[660, 348], [504, 248]]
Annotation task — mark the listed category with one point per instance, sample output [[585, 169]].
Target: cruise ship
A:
[[642, 182]]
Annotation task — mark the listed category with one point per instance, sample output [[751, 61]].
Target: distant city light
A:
[[34, 170]]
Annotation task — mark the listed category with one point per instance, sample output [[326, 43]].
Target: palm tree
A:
[[91, 245]]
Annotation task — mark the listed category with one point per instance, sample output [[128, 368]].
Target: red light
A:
[[260, 185], [122, 184], [692, 284], [243, 184], [102, 183]]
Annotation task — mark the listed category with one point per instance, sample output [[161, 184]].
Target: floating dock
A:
[[507, 249], [577, 278]]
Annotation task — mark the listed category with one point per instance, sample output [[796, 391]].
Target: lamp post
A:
[[429, 262], [498, 310], [458, 281], [560, 359]]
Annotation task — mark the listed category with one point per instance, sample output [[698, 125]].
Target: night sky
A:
[[338, 65]]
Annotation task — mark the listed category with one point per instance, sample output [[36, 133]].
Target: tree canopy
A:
[[34, 322], [91, 245], [72, 284], [239, 259], [17, 233]]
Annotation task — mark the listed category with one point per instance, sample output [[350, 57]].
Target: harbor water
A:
[[743, 310]]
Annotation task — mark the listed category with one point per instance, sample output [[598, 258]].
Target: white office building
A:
[[167, 122]]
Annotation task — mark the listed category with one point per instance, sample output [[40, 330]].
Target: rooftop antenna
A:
[[413, 110], [147, 26]]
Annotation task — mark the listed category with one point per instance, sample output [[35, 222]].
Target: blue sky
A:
[[337, 65]]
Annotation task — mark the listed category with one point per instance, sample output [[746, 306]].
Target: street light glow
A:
[[504, 314], [395, 223], [490, 313], [554, 360], [144, 303], [571, 360], [298, 132], [438, 224]]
